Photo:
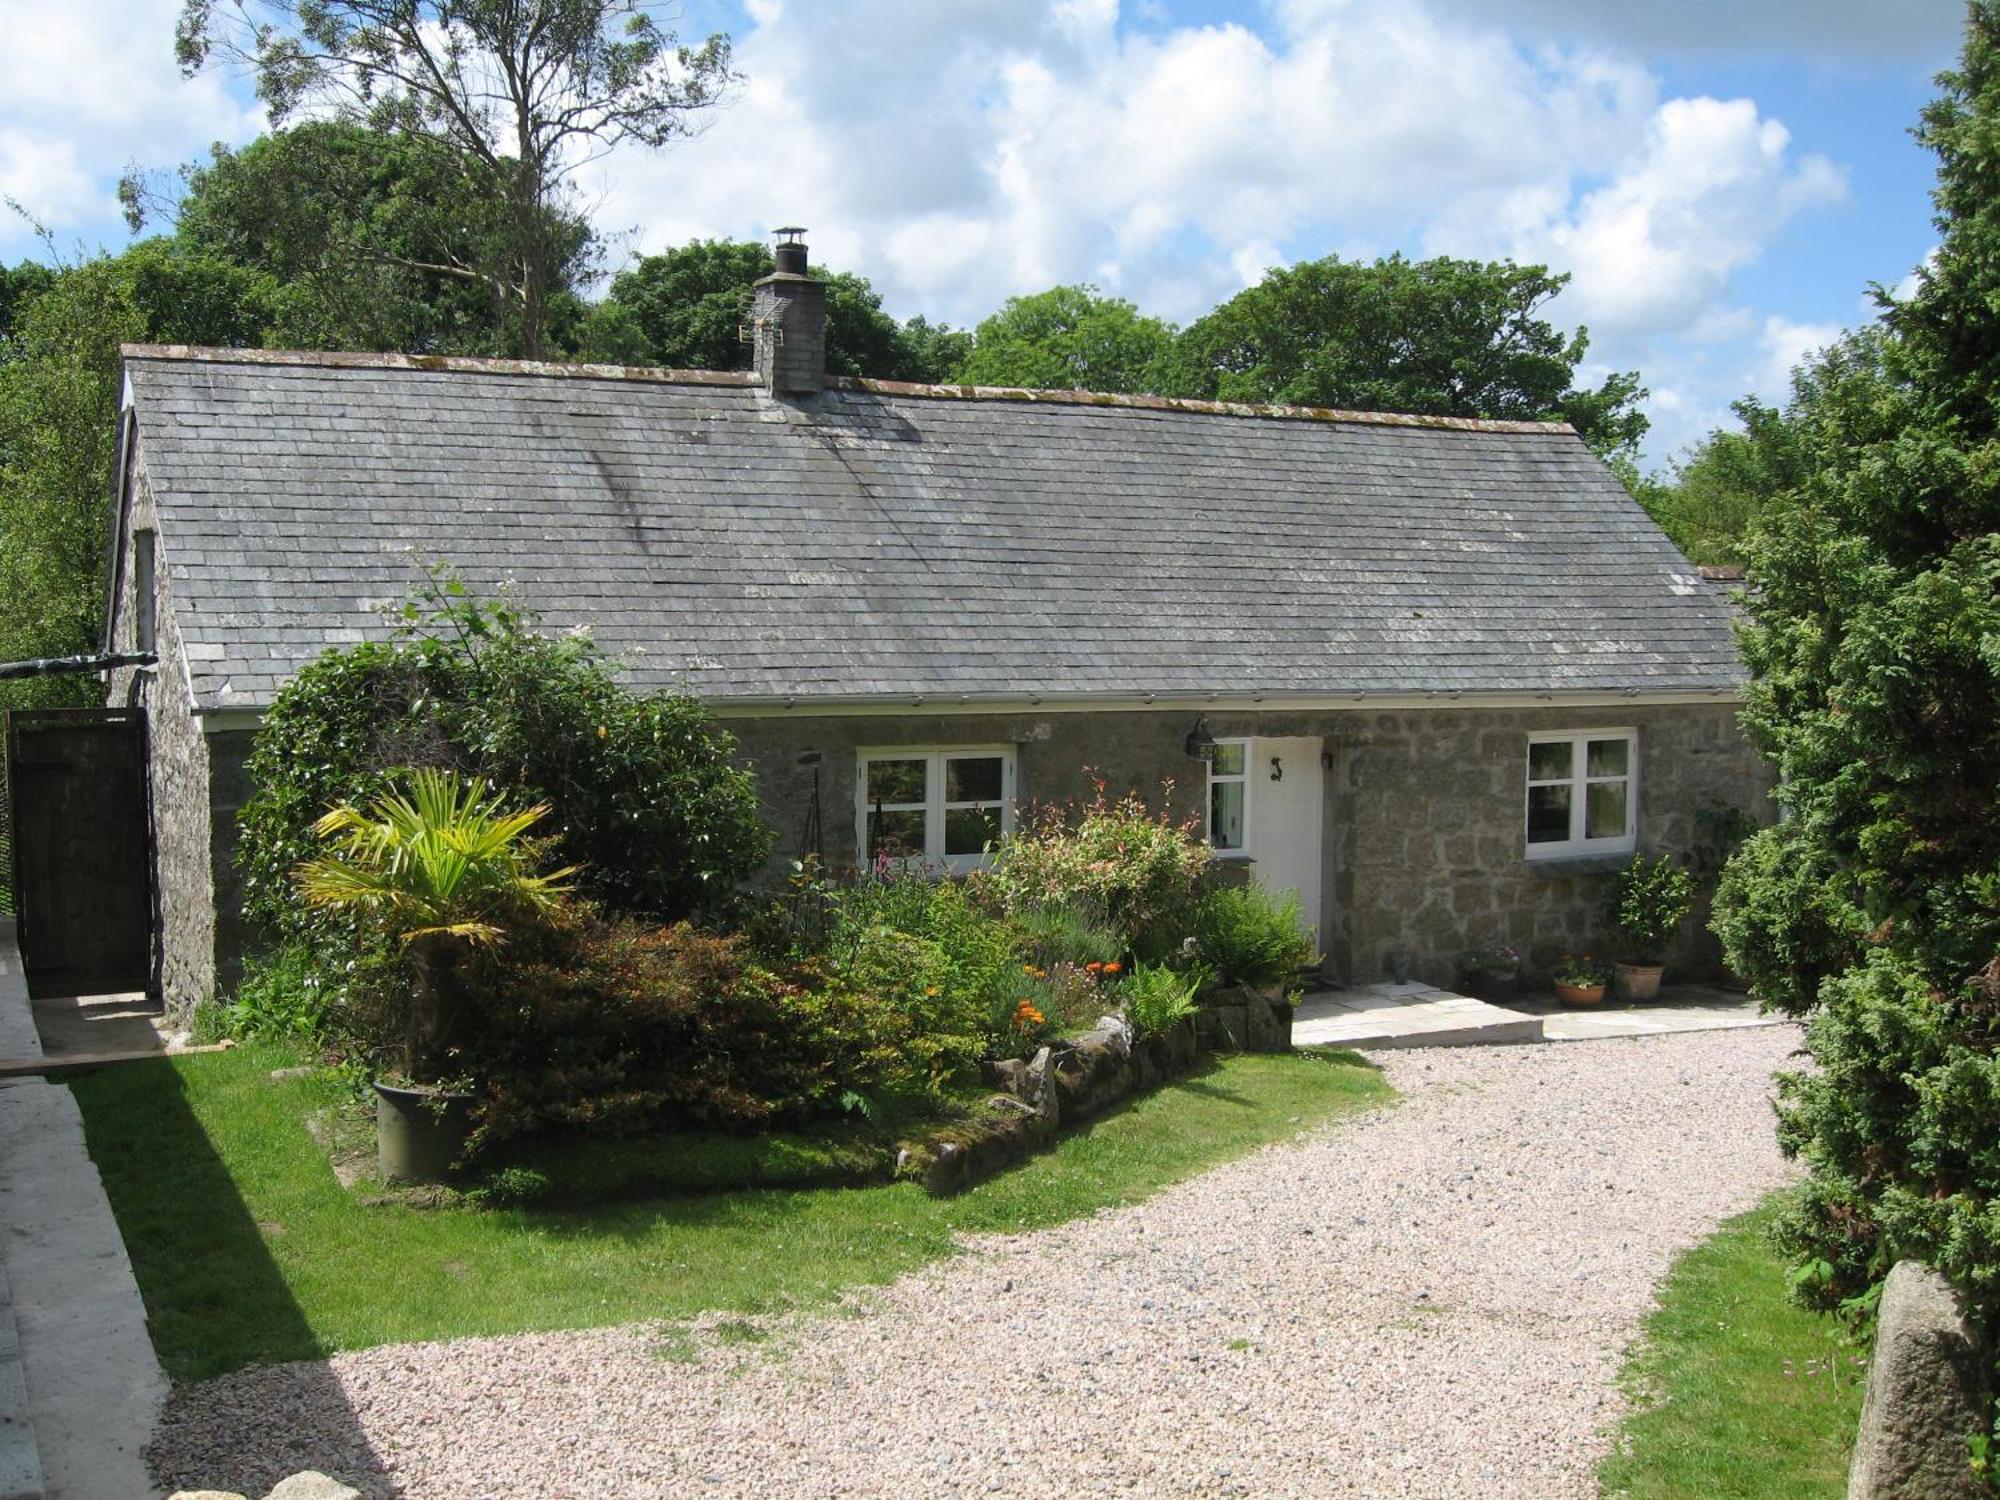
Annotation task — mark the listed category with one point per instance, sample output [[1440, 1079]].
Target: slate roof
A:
[[892, 541]]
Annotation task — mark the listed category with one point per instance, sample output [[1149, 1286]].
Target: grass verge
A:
[[1738, 1393], [247, 1250]]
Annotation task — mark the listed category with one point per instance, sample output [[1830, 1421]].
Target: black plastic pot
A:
[[419, 1132]]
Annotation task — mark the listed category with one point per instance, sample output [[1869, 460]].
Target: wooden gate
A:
[[83, 859]]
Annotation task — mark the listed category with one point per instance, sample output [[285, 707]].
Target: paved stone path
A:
[[80, 1387], [1429, 1301]]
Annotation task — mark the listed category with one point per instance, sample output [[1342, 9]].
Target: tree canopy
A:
[[18, 286], [1875, 647], [1439, 337], [367, 233], [1710, 496], [519, 95], [59, 388], [685, 309], [1070, 338]]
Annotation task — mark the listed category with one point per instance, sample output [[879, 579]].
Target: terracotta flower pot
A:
[[1635, 982], [1580, 994]]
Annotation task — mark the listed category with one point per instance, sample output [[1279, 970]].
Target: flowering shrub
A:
[[1498, 959], [1062, 934], [1134, 871], [1060, 999]]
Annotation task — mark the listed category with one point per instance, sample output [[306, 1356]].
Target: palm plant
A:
[[442, 870]]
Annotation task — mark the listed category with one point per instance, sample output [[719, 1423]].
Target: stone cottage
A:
[[1438, 676]]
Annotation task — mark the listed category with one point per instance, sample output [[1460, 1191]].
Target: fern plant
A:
[[1247, 935]]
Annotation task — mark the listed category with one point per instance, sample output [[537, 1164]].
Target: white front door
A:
[[1285, 821], [1268, 805]]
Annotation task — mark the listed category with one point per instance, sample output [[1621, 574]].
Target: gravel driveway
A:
[[1429, 1300]]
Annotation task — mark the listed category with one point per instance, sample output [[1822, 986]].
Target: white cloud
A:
[[87, 88], [1784, 344], [41, 174], [1041, 143], [1709, 186]]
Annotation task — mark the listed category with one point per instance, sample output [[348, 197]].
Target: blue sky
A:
[[1723, 177]]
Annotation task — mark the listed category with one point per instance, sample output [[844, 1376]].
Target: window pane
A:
[[1609, 757], [968, 830], [972, 780], [1229, 759], [1549, 761], [895, 835], [1225, 815], [896, 780], [1604, 810], [1548, 814]]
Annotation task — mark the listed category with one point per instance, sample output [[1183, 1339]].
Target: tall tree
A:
[[1714, 493], [1439, 337], [18, 288], [353, 222], [1875, 649], [523, 91], [687, 306], [59, 390], [937, 351], [1070, 338]]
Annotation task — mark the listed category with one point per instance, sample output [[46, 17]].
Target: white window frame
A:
[[934, 806], [1576, 846], [1208, 800]]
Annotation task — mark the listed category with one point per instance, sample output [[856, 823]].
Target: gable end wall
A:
[[197, 914]]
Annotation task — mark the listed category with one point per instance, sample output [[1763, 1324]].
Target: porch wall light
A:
[[1200, 743]]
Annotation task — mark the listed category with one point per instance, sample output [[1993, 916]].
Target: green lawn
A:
[[248, 1250], [1741, 1394]]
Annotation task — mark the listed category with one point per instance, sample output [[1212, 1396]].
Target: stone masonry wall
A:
[[1424, 838], [184, 939], [1436, 844]]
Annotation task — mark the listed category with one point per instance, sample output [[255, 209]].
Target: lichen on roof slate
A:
[[882, 540]]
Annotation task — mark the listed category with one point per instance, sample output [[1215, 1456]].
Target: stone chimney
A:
[[788, 323]]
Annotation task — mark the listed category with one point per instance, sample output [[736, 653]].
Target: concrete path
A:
[[73, 1342], [100, 1025], [1681, 1007], [1406, 1015], [1420, 1015]]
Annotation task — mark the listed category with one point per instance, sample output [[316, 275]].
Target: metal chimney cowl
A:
[[788, 319]]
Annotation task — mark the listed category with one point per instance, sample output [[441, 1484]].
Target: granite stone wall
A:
[[1424, 838], [1434, 840], [178, 766]]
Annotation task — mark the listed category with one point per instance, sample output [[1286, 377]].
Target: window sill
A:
[[1561, 866]]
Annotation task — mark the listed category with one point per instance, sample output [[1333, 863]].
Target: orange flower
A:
[[1092, 968], [1113, 968]]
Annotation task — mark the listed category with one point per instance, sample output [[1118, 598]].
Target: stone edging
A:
[[1080, 1080]]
